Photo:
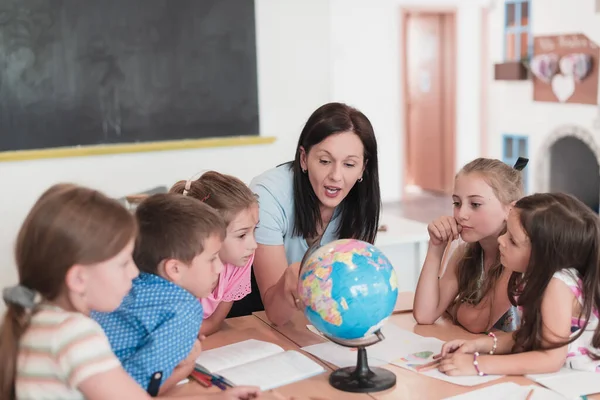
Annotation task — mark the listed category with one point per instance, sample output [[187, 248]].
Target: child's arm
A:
[[556, 313], [433, 295], [183, 370], [213, 323]]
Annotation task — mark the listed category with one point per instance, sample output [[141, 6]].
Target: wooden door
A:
[[430, 100]]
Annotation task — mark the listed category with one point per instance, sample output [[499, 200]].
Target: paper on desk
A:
[[398, 346], [422, 351], [570, 383], [508, 391]]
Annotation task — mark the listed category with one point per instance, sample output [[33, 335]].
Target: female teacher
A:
[[330, 190]]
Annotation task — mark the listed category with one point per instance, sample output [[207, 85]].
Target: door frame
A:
[[449, 49]]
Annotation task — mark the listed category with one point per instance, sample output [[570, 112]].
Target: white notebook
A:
[[258, 363]]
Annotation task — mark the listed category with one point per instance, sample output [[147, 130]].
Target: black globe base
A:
[[362, 379]]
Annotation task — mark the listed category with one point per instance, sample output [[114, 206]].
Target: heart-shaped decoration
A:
[[544, 66], [578, 65], [563, 87]]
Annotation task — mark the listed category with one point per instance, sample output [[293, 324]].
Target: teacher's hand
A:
[[290, 285]]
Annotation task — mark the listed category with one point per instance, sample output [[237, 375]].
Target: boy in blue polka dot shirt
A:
[[154, 332]]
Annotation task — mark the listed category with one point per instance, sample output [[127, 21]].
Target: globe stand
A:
[[361, 379]]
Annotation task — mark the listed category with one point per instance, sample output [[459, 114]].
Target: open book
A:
[[258, 363]]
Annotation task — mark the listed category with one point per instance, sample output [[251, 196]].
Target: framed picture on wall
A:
[[597, 6]]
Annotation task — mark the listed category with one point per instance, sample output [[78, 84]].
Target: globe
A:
[[349, 289]]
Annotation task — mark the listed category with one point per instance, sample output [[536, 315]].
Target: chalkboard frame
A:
[[249, 135], [96, 150]]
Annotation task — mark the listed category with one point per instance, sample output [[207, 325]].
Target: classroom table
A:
[[409, 385], [249, 327]]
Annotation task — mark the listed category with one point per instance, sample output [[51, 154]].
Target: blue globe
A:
[[349, 289]]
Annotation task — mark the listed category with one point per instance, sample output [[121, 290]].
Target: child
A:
[[73, 254], [154, 332], [473, 285], [552, 247], [239, 207]]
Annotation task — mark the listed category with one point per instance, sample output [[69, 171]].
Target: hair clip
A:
[[188, 185], [21, 296], [205, 198], [521, 163]]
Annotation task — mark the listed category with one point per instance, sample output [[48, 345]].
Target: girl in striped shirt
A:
[[74, 255]]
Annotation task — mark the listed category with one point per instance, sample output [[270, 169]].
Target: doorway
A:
[[429, 75]]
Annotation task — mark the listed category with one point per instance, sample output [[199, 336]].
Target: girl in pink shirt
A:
[[239, 207]]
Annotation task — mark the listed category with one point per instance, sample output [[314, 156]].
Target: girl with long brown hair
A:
[[552, 247]]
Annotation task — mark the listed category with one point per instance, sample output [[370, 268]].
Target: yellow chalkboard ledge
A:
[[81, 151]]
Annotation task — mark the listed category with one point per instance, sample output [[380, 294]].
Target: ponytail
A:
[[16, 321]]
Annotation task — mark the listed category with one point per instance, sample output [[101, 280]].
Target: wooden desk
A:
[[242, 328], [409, 385]]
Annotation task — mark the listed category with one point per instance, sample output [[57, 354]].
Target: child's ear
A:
[[172, 270], [76, 279]]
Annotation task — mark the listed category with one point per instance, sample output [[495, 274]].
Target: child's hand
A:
[[238, 393], [442, 230], [457, 346], [290, 285], [196, 350], [457, 364]]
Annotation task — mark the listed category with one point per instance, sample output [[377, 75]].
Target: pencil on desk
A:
[[529, 394], [429, 366]]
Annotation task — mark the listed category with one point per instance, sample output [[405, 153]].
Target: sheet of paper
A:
[[508, 391], [570, 383], [216, 360], [340, 356], [274, 371], [401, 348], [397, 343], [472, 380]]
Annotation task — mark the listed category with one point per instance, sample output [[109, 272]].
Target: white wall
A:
[[366, 38], [511, 106], [309, 52]]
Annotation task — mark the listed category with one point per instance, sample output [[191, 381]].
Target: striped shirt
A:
[[58, 352]]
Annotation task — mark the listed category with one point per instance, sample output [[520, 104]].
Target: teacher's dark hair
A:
[[360, 209]]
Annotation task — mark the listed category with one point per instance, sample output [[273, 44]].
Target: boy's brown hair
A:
[[225, 193], [172, 226]]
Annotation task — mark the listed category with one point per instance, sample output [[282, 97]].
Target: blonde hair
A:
[[507, 185], [225, 193]]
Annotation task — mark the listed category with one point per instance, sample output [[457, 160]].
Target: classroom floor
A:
[[423, 207]]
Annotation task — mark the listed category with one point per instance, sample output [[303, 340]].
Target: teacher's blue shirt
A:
[[275, 190]]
